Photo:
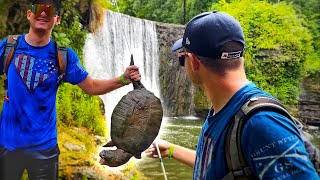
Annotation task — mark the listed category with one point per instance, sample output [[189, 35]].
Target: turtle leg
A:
[[114, 158], [109, 144]]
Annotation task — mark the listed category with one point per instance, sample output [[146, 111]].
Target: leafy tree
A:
[[169, 11], [277, 44], [309, 10]]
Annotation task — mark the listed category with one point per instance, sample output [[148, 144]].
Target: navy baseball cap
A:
[[207, 33]]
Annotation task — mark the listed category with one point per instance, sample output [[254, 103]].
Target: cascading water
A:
[[107, 54]]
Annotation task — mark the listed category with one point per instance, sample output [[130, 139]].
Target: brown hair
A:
[[221, 66]]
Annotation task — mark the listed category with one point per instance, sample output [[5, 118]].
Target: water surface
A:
[[181, 131]]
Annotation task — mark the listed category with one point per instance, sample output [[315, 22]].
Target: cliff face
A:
[[180, 97], [309, 102], [175, 87]]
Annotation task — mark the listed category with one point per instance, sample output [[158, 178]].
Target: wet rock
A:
[[309, 102], [74, 147]]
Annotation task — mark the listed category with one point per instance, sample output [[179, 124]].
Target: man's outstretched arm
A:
[[182, 154]]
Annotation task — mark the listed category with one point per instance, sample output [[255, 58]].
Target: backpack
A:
[[237, 166], [9, 50]]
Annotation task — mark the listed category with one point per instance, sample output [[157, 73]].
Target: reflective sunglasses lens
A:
[[181, 60], [37, 9]]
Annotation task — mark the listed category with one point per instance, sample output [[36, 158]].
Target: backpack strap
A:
[[233, 151], [62, 56], [9, 50], [237, 165]]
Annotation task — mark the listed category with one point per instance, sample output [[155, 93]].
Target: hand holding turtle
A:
[[131, 73]]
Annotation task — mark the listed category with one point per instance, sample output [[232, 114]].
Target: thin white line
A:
[[273, 161], [285, 155]]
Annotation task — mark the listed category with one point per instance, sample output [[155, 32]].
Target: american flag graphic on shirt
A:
[[34, 71], [204, 160]]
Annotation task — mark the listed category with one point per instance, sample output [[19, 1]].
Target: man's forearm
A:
[[184, 155]]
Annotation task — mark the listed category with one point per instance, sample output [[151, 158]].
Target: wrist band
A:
[[123, 82], [170, 154]]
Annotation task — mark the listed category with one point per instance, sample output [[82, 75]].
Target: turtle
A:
[[135, 123]]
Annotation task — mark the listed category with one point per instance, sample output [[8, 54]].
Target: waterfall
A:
[[107, 53]]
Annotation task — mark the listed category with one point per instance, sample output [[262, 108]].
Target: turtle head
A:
[[114, 158]]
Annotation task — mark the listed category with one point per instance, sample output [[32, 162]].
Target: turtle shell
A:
[[136, 121]]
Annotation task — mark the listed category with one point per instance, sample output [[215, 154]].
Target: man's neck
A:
[[221, 89], [37, 39]]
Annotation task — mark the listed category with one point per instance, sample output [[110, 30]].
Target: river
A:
[[184, 132], [181, 131]]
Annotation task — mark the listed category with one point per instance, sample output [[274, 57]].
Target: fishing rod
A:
[[161, 162]]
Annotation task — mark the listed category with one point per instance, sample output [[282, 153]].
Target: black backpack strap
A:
[[62, 57], [233, 151], [9, 50]]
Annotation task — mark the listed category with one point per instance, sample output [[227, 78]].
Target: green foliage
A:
[[61, 39], [74, 107], [78, 109], [277, 44], [309, 10], [312, 65], [169, 11], [161, 11]]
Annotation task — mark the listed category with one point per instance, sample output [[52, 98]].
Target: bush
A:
[[277, 45]]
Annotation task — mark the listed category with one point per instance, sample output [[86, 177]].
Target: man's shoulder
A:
[[266, 119], [3, 41], [273, 147]]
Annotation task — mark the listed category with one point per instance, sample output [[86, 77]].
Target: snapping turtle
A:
[[135, 123]]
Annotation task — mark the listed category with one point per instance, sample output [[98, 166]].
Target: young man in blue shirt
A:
[[211, 52], [28, 134]]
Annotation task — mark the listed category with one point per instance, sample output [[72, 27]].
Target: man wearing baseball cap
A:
[[211, 51], [28, 133]]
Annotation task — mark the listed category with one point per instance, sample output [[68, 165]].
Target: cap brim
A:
[[177, 45]]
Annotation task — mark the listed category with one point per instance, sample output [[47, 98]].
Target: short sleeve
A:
[[75, 71], [274, 149]]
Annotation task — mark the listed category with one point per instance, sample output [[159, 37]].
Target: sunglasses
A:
[[182, 57], [37, 9]]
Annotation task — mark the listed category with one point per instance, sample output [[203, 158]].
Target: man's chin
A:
[[41, 30]]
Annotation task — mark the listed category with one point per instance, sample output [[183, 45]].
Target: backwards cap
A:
[[207, 33]]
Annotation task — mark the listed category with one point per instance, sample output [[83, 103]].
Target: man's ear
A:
[[58, 18], [195, 63], [28, 14]]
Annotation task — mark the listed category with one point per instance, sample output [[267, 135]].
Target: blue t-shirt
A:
[[271, 143], [28, 119]]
